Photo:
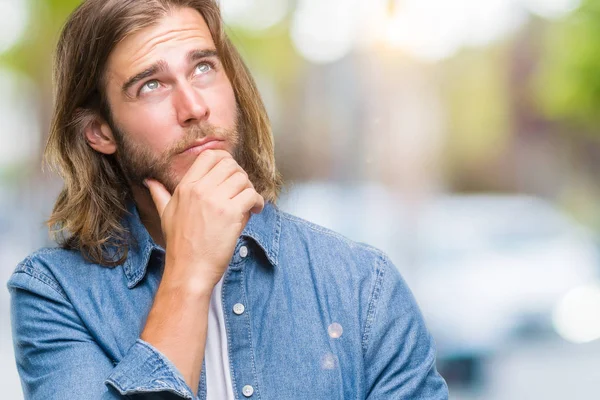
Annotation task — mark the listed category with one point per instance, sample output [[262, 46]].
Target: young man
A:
[[177, 276]]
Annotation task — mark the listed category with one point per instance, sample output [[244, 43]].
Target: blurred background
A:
[[461, 137]]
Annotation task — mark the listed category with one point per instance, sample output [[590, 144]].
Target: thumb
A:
[[160, 195]]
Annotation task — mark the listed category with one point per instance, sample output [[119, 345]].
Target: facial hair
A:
[[139, 163]]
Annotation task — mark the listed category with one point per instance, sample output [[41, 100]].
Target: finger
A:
[[221, 172], [259, 204], [233, 185], [203, 164], [249, 201], [160, 195]]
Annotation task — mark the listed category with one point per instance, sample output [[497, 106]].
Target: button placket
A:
[[238, 327]]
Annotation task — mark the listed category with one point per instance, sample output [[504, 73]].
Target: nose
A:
[[190, 106]]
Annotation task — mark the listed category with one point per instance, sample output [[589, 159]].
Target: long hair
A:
[[88, 214]]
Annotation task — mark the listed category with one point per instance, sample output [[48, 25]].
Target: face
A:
[[168, 94]]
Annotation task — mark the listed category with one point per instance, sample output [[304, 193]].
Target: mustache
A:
[[198, 132]]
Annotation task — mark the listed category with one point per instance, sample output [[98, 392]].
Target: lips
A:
[[203, 144]]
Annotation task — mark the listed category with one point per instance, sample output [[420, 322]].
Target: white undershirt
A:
[[216, 357]]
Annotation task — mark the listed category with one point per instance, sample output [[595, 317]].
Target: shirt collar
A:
[[264, 229]]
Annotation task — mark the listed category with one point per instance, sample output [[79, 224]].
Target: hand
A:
[[203, 219]]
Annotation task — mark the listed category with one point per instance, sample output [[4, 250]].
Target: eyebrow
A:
[[162, 66], [195, 55]]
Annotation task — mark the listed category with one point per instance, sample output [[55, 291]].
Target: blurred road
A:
[[549, 369]]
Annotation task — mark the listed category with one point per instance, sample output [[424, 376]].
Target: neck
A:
[[148, 214]]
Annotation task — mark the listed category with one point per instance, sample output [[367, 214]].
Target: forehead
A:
[[180, 30]]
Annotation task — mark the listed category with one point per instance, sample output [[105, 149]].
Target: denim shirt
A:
[[323, 318]]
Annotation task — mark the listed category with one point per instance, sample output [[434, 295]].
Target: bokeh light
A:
[[552, 8], [254, 15], [577, 316], [14, 22], [329, 361], [18, 103], [324, 31], [335, 330]]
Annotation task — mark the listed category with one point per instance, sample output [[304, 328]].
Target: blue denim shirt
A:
[[324, 318]]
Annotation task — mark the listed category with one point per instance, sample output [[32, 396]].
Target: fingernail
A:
[[145, 182]]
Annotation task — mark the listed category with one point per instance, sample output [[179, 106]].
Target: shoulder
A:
[[45, 268], [331, 248], [361, 277]]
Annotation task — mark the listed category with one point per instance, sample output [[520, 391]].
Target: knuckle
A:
[[229, 163], [179, 190], [208, 155], [239, 175], [198, 191]]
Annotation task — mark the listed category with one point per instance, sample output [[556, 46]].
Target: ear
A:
[[99, 136]]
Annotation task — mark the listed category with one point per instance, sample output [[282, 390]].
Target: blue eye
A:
[[203, 68], [149, 87]]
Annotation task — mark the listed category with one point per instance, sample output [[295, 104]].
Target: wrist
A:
[[185, 280]]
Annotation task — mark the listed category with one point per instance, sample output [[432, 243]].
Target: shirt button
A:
[[238, 308], [247, 390], [243, 251]]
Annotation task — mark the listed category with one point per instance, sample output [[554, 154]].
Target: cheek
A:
[[148, 126], [223, 106]]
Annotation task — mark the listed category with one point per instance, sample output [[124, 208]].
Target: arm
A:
[[177, 325], [58, 359], [399, 351]]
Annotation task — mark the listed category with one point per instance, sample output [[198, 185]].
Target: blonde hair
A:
[[89, 211]]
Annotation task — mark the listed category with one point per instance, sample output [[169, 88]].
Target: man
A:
[[177, 276]]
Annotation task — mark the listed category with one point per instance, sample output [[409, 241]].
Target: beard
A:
[[138, 163]]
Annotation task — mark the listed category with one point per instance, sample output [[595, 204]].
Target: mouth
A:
[[204, 144]]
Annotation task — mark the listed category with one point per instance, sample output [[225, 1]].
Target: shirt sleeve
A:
[[399, 351], [58, 359]]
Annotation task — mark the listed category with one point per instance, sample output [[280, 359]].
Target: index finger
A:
[[203, 164]]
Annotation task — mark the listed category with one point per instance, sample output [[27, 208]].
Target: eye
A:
[[203, 68], [149, 86]]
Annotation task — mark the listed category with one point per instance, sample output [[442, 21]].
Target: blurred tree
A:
[[568, 84], [30, 59], [33, 54], [477, 93]]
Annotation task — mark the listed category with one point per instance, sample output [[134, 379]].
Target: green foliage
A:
[[568, 85], [268, 53], [476, 93], [33, 54]]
